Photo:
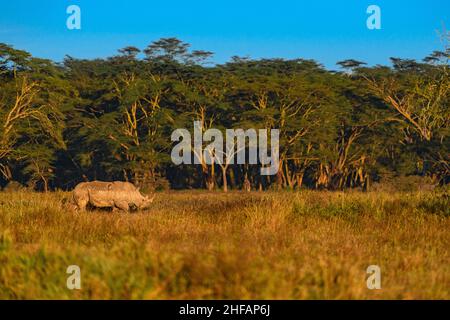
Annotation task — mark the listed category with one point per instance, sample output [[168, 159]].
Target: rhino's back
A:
[[103, 185], [125, 191], [123, 186], [94, 185]]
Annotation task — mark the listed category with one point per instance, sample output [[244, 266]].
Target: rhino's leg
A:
[[122, 205], [82, 204]]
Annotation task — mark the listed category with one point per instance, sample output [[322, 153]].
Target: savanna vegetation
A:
[[236, 245], [112, 119], [312, 233]]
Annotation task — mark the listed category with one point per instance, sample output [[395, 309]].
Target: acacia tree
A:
[[224, 158], [200, 97], [131, 120], [139, 125], [337, 129], [31, 98], [419, 96], [421, 105]]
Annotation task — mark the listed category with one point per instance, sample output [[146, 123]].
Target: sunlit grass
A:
[[200, 245]]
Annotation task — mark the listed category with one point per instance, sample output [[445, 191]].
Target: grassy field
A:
[[200, 245]]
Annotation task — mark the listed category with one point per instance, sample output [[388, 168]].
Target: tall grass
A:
[[200, 245]]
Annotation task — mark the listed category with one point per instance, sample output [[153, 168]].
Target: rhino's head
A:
[[146, 202]]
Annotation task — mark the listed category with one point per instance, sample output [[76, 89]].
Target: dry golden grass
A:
[[199, 245]]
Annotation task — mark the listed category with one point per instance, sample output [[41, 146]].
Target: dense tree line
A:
[[112, 119]]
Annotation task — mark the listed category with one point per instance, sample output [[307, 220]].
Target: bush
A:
[[404, 184], [14, 186]]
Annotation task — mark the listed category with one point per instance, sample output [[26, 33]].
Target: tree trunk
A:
[[300, 179], [224, 176]]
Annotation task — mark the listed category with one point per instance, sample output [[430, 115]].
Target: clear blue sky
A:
[[327, 31]]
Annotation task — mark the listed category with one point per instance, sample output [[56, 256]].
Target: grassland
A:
[[199, 245]]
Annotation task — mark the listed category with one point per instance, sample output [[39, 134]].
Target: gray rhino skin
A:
[[115, 195]]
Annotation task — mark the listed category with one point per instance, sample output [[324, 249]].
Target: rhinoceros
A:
[[115, 195]]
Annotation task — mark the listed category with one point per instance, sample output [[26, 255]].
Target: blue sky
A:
[[327, 31]]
